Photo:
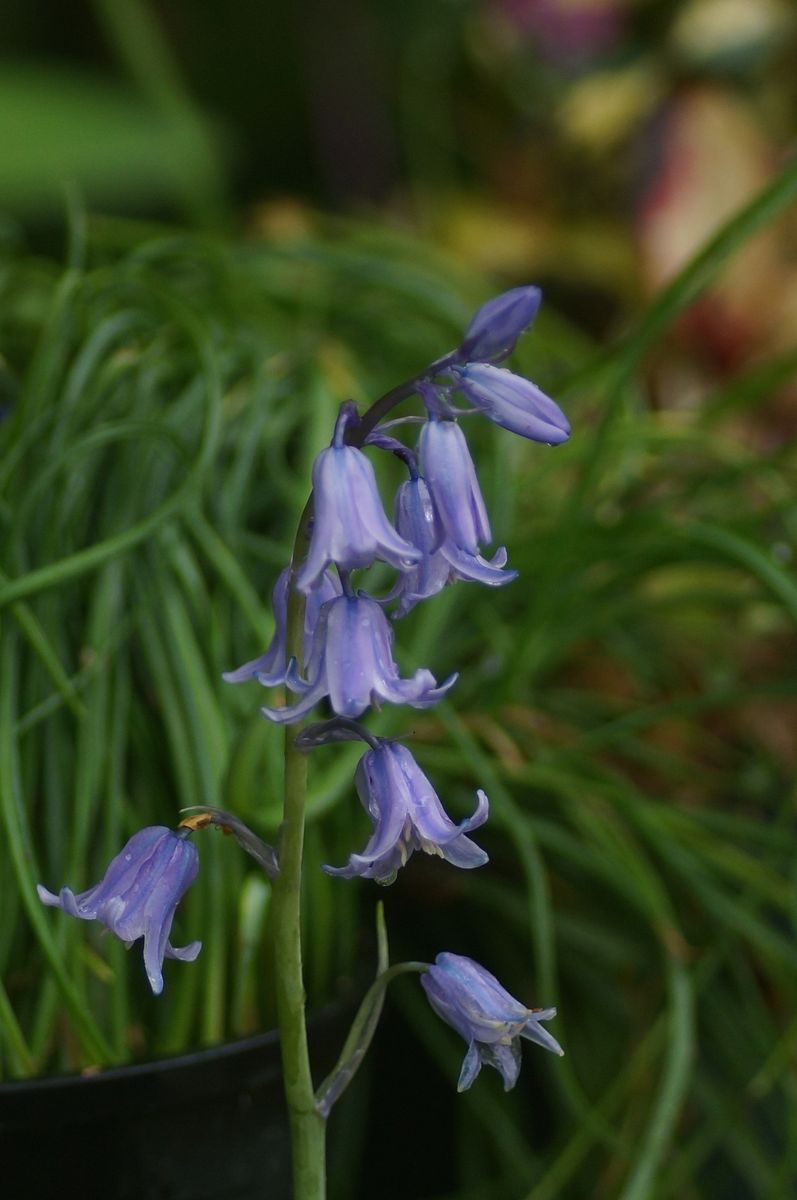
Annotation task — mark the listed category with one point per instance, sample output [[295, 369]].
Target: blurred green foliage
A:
[[625, 705]]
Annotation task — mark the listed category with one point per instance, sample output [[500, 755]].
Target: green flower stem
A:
[[308, 1127], [307, 1124], [362, 1032]]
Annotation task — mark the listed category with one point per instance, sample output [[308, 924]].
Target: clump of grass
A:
[[623, 707]]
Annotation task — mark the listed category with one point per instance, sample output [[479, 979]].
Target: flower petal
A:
[[384, 794], [454, 487], [350, 527], [535, 1032], [472, 568], [471, 1066], [270, 666], [183, 953], [505, 1058], [294, 712], [421, 691], [488, 1010], [120, 876], [513, 402], [496, 326]]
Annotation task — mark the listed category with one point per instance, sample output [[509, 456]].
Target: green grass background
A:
[[626, 704]]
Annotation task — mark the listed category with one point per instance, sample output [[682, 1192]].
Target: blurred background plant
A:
[[270, 209]]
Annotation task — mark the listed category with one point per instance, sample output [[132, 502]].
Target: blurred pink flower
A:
[[564, 30], [708, 157]]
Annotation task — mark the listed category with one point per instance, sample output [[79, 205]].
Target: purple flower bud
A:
[[352, 663], [451, 477], [407, 816], [497, 325], [442, 561], [491, 1021], [138, 895], [349, 527], [513, 403], [271, 668]]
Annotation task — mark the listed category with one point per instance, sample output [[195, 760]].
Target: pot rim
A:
[[319, 1020]]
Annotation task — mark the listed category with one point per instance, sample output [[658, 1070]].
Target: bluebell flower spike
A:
[[512, 402], [352, 663], [138, 895], [490, 1020], [407, 816], [349, 527], [495, 327]]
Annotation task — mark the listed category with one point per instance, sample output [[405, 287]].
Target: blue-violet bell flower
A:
[[407, 816], [491, 1021], [351, 662], [271, 668], [442, 561], [350, 527], [138, 895], [450, 475], [512, 402], [496, 326]]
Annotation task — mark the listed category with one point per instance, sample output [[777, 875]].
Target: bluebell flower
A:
[[407, 816], [496, 326], [349, 527], [271, 668], [138, 895], [512, 402], [491, 1021], [450, 475], [442, 561], [351, 662]]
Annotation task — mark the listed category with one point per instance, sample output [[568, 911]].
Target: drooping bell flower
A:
[[352, 663], [451, 478], [138, 895], [407, 816], [512, 402], [271, 667], [349, 523], [496, 326], [491, 1021], [442, 561]]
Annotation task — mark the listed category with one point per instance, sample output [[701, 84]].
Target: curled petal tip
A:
[[187, 953]]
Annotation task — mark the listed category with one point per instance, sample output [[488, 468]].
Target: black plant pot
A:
[[205, 1126]]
